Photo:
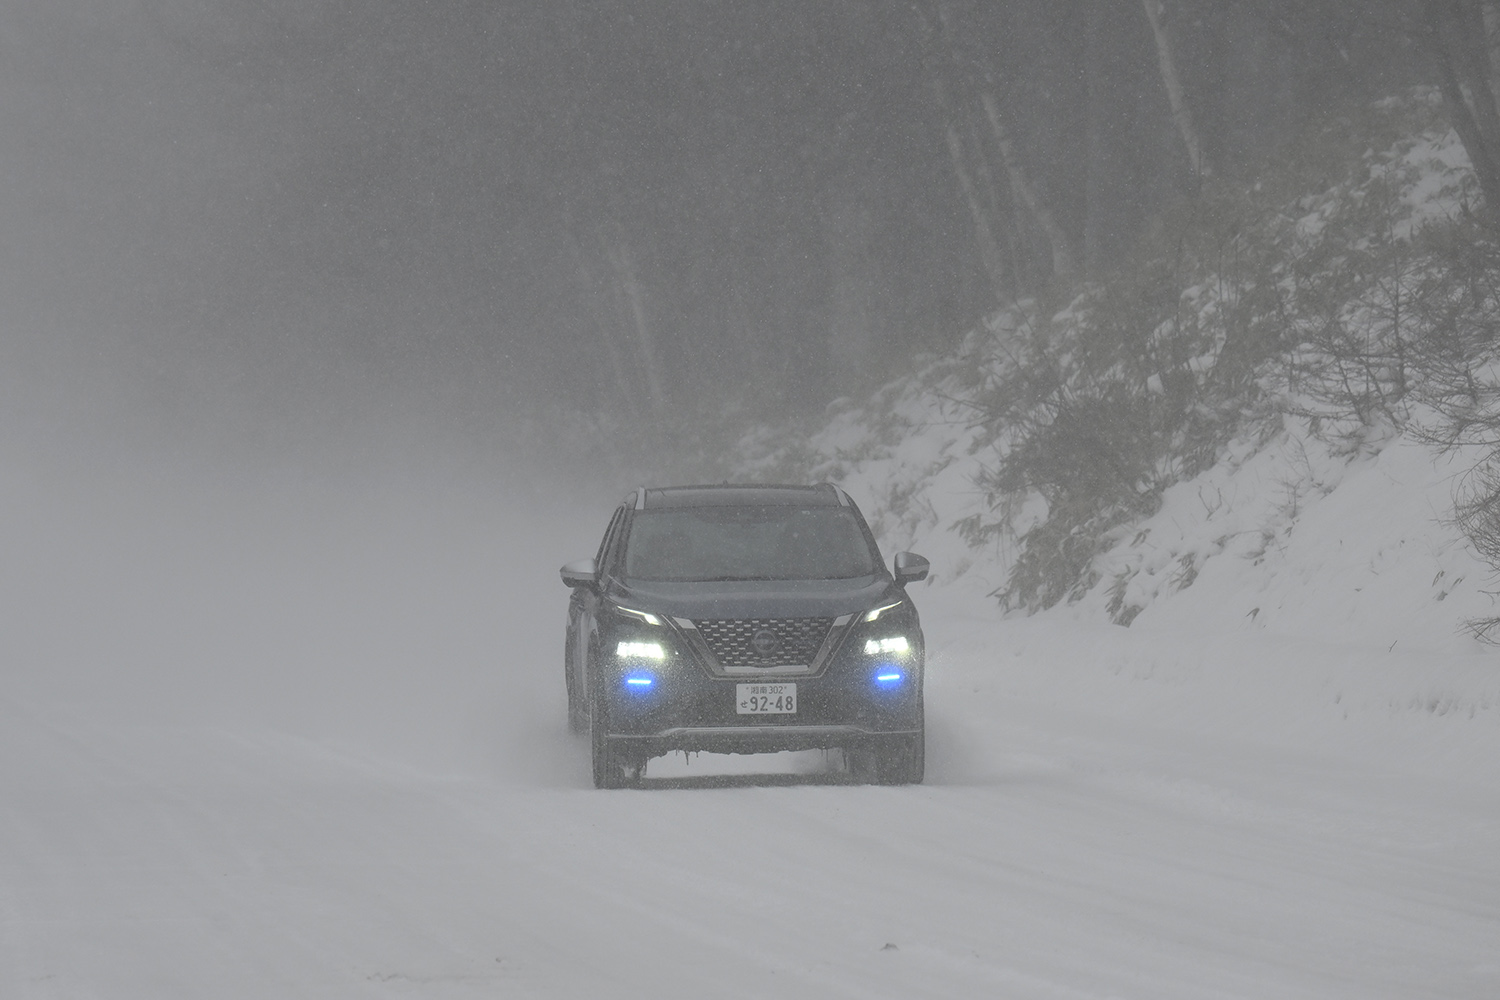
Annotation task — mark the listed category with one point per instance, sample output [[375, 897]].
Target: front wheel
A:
[[889, 760], [578, 719], [901, 760], [610, 771]]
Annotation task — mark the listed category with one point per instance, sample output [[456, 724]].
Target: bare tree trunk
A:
[[1003, 270], [1491, 11], [1182, 114], [1023, 190], [1063, 263], [1455, 30], [1466, 39], [1001, 206], [984, 233], [623, 262], [604, 321], [853, 313], [1095, 223]]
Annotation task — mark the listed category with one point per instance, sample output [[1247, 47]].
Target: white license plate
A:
[[765, 699]]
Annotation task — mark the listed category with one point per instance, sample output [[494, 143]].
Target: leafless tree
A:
[[1171, 78], [1461, 35]]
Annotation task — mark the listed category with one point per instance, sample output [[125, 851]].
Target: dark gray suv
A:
[[744, 619]]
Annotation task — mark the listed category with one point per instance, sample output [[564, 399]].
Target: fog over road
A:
[[300, 742]]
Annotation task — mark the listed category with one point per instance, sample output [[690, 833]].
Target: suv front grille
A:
[[733, 640]]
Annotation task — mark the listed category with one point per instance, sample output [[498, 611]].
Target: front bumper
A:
[[852, 703], [753, 739], [860, 688]]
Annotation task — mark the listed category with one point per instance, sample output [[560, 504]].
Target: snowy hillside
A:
[[1299, 505], [1312, 569]]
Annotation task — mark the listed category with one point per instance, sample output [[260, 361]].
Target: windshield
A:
[[748, 543]]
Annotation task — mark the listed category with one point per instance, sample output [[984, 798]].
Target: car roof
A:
[[741, 495]]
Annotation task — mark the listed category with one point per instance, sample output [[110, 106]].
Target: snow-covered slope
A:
[[1308, 529], [1308, 590], [1287, 588]]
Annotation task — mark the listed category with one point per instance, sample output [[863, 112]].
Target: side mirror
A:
[[911, 567], [580, 573]]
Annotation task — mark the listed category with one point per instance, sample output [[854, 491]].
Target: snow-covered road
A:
[[1087, 861], [369, 792]]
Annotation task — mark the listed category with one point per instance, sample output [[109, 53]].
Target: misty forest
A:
[[1168, 330]]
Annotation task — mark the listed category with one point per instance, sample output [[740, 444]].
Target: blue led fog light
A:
[[640, 682], [889, 677]]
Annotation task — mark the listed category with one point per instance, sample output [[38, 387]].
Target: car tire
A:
[[610, 770], [606, 775], [901, 760], [578, 718]]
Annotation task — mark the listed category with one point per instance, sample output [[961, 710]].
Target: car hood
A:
[[754, 598]]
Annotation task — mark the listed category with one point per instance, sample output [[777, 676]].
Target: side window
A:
[[614, 542], [609, 536]]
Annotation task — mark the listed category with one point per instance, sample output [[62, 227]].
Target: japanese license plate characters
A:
[[765, 699]]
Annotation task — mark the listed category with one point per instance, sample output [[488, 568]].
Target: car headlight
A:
[[641, 663], [895, 644], [643, 616], [874, 613]]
